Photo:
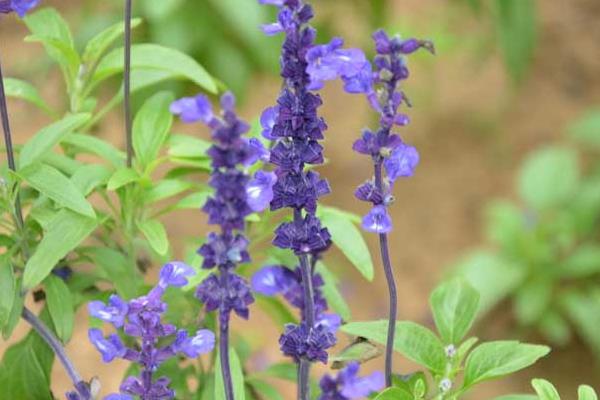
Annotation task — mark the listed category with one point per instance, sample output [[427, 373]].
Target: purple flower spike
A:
[[193, 109], [348, 385], [299, 342], [175, 274], [377, 220], [259, 191], [203, 342], [110, 347], [21, 7], [402, 162], [113, 313], [272, 280]]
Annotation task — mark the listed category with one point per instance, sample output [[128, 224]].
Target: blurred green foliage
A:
[[545, 251]]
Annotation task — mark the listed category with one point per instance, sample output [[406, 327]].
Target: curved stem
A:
[[127, 83], [46, 334], [224, 342], [393, 295]]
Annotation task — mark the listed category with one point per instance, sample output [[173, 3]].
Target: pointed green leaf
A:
[[495, 359], [93, 145], [8, 286], [25, 91], [65, 232], [89, 177], [394, 393], [151, 127], [50, 182], [545, 390], [122, 177], [156, 235], [454, 305], [586, 129], [99, 44], [586, 392], [348, 238], [118, 270], [42, 142], [266, 390], [60, 305]]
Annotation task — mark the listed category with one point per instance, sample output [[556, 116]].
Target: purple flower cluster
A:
[[21, 7], [228, 206], [380, 82], [141, 319], [295, 129], [347, 385]]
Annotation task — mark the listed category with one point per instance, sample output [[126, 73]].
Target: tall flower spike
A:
[[234, 198], [141, 319], [380, 82], [296, 129]]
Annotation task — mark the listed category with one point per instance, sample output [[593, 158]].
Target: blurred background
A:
[[505, 110]]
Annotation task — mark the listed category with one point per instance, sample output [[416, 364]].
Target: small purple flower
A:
[[114, 312], [224, 250], [259, 191], [278, 3], [21, 7], [271, 280], [175, 274], [232, 295], [110, 347], [267, 121], [330, 321], [303, 236], [330, 61], [201, 343], [377, 220], [115, 396], [349, 386], [402, 162], [360, 82], [258, 152], [159, 389], [193, 109], [300, 342]]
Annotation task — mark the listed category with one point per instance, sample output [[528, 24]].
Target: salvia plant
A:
[[544, 255], [82, 227]]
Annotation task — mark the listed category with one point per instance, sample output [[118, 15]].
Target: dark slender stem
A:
[[393, 295], [27, 315], [127, 83], [308, 317], [9, 147], [54, 344], [224, 342]]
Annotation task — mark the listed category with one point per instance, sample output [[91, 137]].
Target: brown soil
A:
[[472, 130]]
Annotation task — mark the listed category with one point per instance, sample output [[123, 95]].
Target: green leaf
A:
[[517, 397], [50, 182], [283, 370], [42, 142], [516, 25], [348, 238], [8, 286], [93, 145], [15, 313], [99, 44], [495, 359], [48, 27], [237, 377], [89, 177], [583, 310], [360, 350], [65, 232], [545, 390], [122, 177], [549, 177], [151, 127], [276, 309], [60, 305], [586, 392], [533, 299], [266, 390], [156, 235], [394, 393], [492, 276], [582, 263], [118, 270], [155, 59], [412, 340], [454, 305], [165, 189], [25, 91], [25, 369], [194, 200], [187, 146], [587, 128]]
